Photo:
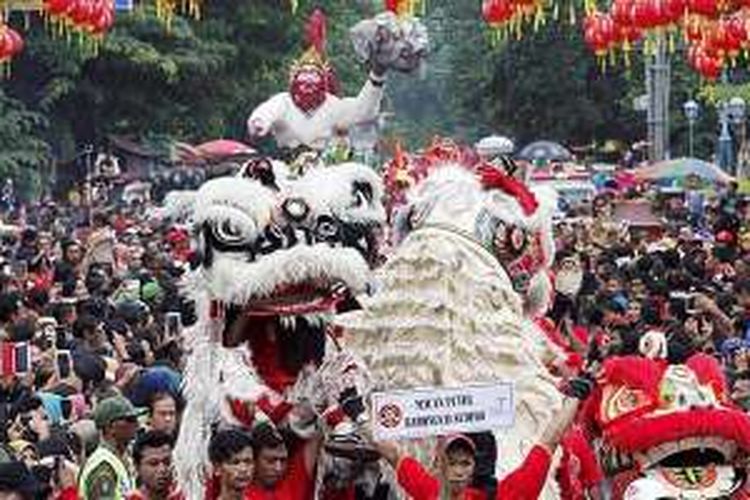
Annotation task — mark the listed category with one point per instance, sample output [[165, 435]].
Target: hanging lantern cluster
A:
[[629, 21], [92, 18], [11, 44], [715, 43], [606, 33], [716, 31], [507, 17]]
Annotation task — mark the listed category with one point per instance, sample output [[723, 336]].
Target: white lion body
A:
[[446, 314], [244, 207]]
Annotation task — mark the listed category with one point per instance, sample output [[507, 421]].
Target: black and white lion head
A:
[[275, 247]]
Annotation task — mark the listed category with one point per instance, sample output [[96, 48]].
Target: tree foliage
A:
[[23, 153], [198, 80]]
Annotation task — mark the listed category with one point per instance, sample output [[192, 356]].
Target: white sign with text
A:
[[416, 413]]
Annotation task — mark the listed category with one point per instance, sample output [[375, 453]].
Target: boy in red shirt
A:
[[456, 467]]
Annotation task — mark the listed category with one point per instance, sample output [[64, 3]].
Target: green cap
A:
[[113, 409], [150, 291]]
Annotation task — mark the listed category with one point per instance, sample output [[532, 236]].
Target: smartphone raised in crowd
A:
[[172, 325], [66, 407], [64, 364], [61, 337], [22, 358]]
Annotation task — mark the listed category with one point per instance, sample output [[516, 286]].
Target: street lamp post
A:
[[724, 154], [89, 152], [737, 109], [691, 110]]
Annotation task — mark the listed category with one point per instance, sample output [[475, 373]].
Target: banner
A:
[[409, 414]]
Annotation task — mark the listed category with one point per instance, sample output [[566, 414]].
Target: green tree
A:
[[24, 155]]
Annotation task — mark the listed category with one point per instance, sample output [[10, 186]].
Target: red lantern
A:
[[660, 13], [391, 5], [57, 8], [643, 15], [711, 43], [718, 38], [600, 33], [96, 11], [692, 29], [496, 12], [11, 43], [622, 12], [630, 34], [737, 30], [103, 22], [5, 44], [81, 13], [17, 42], [676, 10], [692, 56], [708, 8], [710, 67]]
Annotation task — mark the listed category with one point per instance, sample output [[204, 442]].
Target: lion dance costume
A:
[[456, 297], [282, 248], [278, 256], [671, 426]]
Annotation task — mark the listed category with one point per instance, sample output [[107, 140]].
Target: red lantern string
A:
[[11, 44], [716, 31]]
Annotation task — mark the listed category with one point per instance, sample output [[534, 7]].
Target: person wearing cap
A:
[[107, 472], [456, 464], [24, 451]]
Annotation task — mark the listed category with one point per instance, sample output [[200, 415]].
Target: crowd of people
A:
[[91, 314], [688, 279], [90, 321]]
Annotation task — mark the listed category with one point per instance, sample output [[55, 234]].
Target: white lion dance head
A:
[[279, 256], [449, 187], [456, 298]]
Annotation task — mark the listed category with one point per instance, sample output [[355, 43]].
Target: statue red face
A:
[[308, 89]]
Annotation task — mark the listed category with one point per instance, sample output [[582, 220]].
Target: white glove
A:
[[257, 127]]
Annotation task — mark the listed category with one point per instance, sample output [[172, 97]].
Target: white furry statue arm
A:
[[266, 115], [364, 107]]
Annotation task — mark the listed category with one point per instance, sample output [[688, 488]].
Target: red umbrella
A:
[[223, 147]]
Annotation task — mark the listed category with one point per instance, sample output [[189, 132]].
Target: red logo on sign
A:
[[390, 415]]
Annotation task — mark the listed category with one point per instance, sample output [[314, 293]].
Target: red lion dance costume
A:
[[670, 426]]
